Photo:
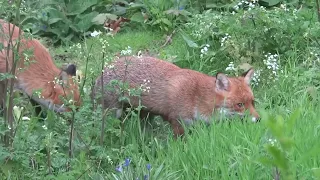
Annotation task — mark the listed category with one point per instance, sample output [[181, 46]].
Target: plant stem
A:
[[102, 102], [318, 10]]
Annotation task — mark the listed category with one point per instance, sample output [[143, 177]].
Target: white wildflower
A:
[[127, 51], [95, 33], [256, 77], [224, 39], [272, 141], [272, 64], [25, 118], [231, 67]]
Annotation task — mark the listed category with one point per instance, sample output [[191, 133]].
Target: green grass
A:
[[228, 150], [232, 150]]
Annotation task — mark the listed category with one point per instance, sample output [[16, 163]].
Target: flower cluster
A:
[[249, 4], [125, 164], [104, 44], [144, 87], [77, 48], [224, 39], [314, 58], [95, 33], [204, 50], [127, 51], [231, 67], [256, 77], [272, 63], [120, 169], [202, 24], [284, 7], [272, 141]]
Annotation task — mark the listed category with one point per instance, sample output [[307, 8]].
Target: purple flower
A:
[[146, 177], [127, 162], [181, 8], [119, 168], [148, 167], [44, 27]]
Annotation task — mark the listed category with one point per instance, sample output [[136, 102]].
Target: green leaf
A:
[[136, 6], [138, 17], [166, 21], [119, 10], [101, 18], [85, 21], [271, 2], [75, 7], [189, 41], [54, 20], [279, 157]]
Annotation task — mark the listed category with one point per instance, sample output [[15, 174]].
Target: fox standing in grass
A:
[[37, 72], [175, 93]]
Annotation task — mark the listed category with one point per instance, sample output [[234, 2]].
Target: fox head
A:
[[61, 92], [237, 95], [67, 87]]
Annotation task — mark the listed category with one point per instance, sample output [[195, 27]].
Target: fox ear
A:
[[70, 69], [222, 82], [248, 75]]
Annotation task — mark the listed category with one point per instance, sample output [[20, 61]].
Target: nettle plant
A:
[[251, 35]]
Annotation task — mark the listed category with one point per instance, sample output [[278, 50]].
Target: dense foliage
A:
[[280, 39]]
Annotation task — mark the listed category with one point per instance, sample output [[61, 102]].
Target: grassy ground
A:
[[286, 138]]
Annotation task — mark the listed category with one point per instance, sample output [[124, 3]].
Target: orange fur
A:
[[38, 72], [176, 93]]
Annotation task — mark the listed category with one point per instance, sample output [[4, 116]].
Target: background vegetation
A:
[[280, 39]]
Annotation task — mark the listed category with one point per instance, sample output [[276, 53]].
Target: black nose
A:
[[258, 119]]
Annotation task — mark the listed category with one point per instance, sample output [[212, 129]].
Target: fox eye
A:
[[240, 105]]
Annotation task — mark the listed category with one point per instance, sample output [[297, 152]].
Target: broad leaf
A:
[[101, 18]]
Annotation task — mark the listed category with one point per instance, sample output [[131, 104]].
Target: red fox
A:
[[175, 93], [37, 72]]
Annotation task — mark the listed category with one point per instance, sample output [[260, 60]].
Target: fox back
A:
[[37, 71], [175, 93]]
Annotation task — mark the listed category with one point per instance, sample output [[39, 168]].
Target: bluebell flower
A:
[[44, 14], [146, 177], [44, 27], [181, 8], [127, 162], [119, 168], [148, 167]]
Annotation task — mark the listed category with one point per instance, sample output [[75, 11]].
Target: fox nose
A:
[[256, 119]]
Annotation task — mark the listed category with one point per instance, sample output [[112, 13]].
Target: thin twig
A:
[[168, 39], [277, 174], [102, 102]]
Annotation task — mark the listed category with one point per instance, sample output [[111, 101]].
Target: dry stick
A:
[[102, 102], [277, 174], [318, 10], [168, 39]]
